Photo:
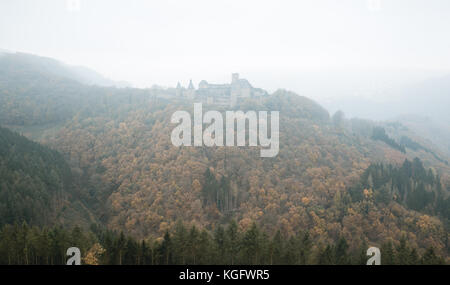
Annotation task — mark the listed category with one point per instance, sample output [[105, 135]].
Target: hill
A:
[[132, 179], [152, 185], [39, 91], [36, 184], [24, 63]]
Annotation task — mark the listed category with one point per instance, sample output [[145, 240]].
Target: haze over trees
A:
[[105, 158]]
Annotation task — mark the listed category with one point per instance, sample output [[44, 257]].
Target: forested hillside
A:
[[36, 183], [334, 179], [148, 185]]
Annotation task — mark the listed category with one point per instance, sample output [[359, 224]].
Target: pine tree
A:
[[193, 245], [220, 244], [326, 256], [413, 258], [305, 250], [387, 254], [276, 247], [165, 250], [402, 252], [251, 245], [204, 248], [232, 241], [180, 243], [120, 247], [362, 258], [430, 258], [340, 252]]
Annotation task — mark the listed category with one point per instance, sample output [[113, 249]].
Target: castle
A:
[[221, 94]]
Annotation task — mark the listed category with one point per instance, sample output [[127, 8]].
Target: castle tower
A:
[[190, 92], [191, 86], [234, 89], [234, 77], [178, 90]]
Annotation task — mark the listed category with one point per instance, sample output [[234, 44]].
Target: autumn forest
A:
[[93, 166]]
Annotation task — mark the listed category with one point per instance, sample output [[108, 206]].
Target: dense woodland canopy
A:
[[36, 182], [343, 184], [22, 244]]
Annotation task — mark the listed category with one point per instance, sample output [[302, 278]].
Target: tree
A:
[[326, 256], [193, 244], [305, 250], [276, 249], [338, 120], [430, 258], [181, 243], [402, 252], [220, 243], [251, 245], [120, 247], [340, 252], [232, 241], [93, 255], [165, 250], [387, 254]]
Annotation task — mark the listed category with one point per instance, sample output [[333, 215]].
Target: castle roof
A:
[[191, 86]]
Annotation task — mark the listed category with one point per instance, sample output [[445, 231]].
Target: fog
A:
[[321, 134], [323, 49]]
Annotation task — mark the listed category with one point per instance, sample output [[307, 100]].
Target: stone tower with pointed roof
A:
[[190, 92], [179, 90]]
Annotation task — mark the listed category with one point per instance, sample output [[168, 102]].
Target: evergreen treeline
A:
[[33, 180], [217, 192], [21, 244], [411, 184], [379, 133], [26, 245]]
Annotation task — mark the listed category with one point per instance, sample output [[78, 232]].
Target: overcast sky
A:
[[162, 42]]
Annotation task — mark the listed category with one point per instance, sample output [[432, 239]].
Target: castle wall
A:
[[221, 94]]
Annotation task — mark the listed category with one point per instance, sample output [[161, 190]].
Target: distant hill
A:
[[428, 98], [422, 107], [425, 110], [15, 64], [37, 90], [425, 98], [435, 131]]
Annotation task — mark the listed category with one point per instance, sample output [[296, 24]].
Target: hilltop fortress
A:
[[221, 94]]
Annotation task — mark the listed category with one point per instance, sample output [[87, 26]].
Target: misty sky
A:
[[268, 42]]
